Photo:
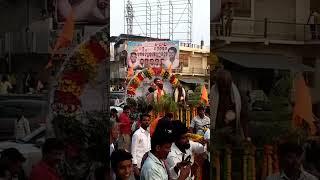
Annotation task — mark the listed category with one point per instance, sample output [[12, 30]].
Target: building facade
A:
[[269, 36], [193, 59], [27, 35]]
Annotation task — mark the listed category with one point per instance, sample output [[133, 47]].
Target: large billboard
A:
[[95, 12], [154, 54]]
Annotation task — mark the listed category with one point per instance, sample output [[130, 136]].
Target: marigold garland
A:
[[81, 68], [70, 86], [149, 73]]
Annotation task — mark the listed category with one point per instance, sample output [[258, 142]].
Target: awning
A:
[[192, 80], [263, 61]]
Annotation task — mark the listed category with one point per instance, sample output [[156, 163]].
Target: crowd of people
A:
[[160, 153], [27, 84], [166, 152], [11, 162]]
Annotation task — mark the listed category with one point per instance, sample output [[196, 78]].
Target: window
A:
[[309, 77], [184, 60], [242, 8]]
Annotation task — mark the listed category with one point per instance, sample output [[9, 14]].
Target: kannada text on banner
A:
[[155, 54]]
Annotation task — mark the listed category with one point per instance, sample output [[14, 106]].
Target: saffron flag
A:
[[154, 124], [130, 72], [170, 69], [65, 38], [204, 95], [66, 35], [303, 105]]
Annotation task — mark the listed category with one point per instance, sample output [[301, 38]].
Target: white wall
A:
[[275, 10]]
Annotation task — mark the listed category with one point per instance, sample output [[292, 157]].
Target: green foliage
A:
[[267, 126], [90, 133], [131, 102], [142, 104], [70, 129], [165, 104], [194, 98], [97, 131]]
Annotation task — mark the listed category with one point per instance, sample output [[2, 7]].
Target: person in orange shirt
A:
[[159, 91]]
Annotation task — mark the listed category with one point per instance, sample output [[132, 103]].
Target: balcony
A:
[[193, 47], [267, 31], [192, 71]]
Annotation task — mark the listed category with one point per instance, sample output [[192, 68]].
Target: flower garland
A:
[[150, 73], [80, 69]]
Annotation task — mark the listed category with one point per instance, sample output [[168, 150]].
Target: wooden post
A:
[[275, 161], [245, 164], [254, 175], [188, 118], [229, 163], [216, 155]]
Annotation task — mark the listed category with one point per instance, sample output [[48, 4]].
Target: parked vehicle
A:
[[30, 147], [119, 109], [116, 95], [34, 109]]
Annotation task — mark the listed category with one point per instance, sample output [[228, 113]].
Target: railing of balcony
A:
[[267, 29], [192, 70]]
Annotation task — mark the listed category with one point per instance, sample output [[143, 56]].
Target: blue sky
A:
[[200, 26]]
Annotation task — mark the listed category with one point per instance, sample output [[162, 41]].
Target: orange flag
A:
[[130, 72], [154, 124], [303, 105], [170, 69], [204, 95], [66, 35]]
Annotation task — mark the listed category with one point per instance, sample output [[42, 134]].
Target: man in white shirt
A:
[[22, 127], [200, 123], [141, 143], [183, 152], [290, 158], [207, 140], [5, 85], [114, 135], [154, 168], [172, 61], [132, 62]]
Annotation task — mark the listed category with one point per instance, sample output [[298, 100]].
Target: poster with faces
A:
[[155, 54]]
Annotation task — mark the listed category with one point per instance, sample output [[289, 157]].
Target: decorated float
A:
[[144, 79], [78, 107]]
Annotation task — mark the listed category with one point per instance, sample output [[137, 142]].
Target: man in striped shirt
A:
[[290, 156]]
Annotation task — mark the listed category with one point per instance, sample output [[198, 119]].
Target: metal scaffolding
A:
[[128, 11], [170, 19], [159, 10]]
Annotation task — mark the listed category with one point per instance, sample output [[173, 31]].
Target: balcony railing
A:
[[270, 30], [192, 71]]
